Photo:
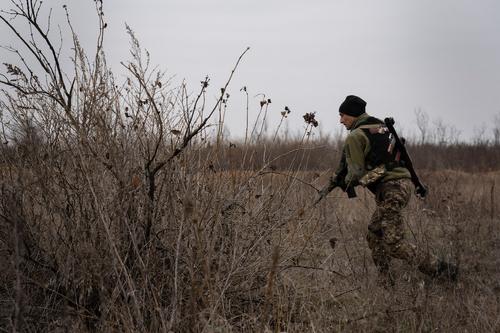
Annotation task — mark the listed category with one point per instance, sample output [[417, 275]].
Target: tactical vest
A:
[[380, 145]]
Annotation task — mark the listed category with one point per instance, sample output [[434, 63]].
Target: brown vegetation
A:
[[119, 213]]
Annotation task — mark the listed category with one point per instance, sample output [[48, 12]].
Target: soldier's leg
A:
[[394, 198], [386, 226], [387, 232], [374, 237], [396, 246]]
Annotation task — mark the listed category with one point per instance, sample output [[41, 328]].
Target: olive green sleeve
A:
[[342, 167], [356, 148]]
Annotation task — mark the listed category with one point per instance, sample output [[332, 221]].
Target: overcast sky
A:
[[399, 55]]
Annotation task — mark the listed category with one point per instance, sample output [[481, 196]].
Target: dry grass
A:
[[210, 265], [120, 211]]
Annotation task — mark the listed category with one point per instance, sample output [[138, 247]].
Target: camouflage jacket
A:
[[356, 149]]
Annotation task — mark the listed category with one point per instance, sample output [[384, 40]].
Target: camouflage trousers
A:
[[386, 237]]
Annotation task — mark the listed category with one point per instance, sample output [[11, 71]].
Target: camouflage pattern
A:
[[386, 236], [373, 176], [392, 188]]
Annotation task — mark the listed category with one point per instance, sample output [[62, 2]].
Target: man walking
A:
[[369, 159]]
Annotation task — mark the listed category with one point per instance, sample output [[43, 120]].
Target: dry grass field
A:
[[234, 251], [123, 208]]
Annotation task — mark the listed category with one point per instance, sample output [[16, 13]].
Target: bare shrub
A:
[[422, 119], [125, 219], [496, 130]]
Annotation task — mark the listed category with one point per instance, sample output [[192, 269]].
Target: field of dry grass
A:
[[124, 209], [456, 222], [240, 251]]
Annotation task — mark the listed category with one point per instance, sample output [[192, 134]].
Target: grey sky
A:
[[441, 56]]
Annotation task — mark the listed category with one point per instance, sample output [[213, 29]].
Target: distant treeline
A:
[[325, 155], [314, 155]]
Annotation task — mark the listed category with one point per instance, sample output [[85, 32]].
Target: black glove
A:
[[340, 181], [349, 188]]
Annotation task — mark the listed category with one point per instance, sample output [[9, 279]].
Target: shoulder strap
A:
[[370, 126], [374, 128]]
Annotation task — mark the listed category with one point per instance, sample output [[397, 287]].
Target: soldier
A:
[[368, 160]]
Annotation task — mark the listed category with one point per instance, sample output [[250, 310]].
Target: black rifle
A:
[[420, 188]]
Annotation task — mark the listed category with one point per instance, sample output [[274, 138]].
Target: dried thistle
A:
[[286, 112], [204, 84], [309, 118]]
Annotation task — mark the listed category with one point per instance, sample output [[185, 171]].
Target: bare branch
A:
[[37, 56], [189, 136]]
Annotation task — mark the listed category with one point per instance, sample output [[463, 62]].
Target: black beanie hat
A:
[[352, 106]]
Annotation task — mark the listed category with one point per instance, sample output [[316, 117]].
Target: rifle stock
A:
[[420, 188]]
